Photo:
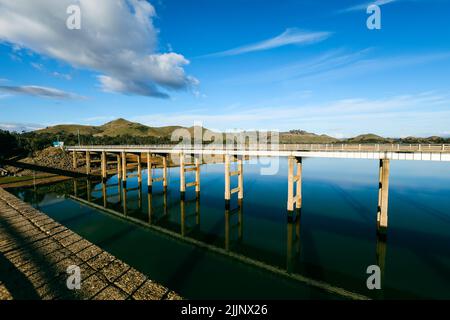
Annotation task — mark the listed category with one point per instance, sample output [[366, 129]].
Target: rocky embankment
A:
[[49, 157]]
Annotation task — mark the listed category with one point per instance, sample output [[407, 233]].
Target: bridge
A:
[[384, 153]]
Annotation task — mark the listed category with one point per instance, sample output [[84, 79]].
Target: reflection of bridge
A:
[[188, 229], [294, 152]]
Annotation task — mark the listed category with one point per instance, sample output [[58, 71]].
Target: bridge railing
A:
[[393, 147]]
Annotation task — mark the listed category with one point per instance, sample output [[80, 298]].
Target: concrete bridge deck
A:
[[418, 152], [35, 252]]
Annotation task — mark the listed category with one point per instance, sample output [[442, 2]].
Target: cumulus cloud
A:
[[117, 39], [288, 37], [38, 91]]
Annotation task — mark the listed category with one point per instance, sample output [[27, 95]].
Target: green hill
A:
[[301, 136], [119, 127], [369, 138], [70, 129]]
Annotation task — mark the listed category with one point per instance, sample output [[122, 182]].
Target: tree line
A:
[[26, 143]]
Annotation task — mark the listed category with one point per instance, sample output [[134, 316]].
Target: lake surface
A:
[[254, 250]]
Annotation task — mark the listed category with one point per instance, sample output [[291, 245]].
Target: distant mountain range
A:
[[121, 127]]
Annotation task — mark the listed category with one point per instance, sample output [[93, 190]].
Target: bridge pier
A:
[[164, 172], [383, 193], [88, 163], [294, 201], [197, 175], [74, 160], [228, 174], [139, 168], [149, 172], [192, 167], [182, 177], [103, 165], [124, 168], [150, 179], [119, 168]]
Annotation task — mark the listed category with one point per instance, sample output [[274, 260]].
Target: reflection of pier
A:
[[189, 231], [233, 224]]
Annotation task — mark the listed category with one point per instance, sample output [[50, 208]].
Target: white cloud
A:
[[117, 39], [365, 5], [338, 64], [19, 127], [62, 75], [394, 115], [37, 66], [38, 91], [288, 37]]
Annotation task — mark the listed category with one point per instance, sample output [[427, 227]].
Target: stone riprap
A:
[[35, 252]]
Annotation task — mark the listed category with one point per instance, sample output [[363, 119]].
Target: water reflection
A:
[[293, 242], [334, 241], [129, 200], [233, 225]]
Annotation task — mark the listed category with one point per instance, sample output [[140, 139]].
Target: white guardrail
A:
[[286, 147]]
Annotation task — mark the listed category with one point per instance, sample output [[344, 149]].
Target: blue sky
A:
[[248, 64]]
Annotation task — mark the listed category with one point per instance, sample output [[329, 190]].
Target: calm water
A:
[[334, 239]]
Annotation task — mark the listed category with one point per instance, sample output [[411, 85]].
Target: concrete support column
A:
[[149, 173], [383, 193], [294, 201], [240, 179], [139, 168], [165, 171], [74, 160], [197, 175], [298, 178], [103, 165], [290, 200], [182, 176], [124, 167], [119, 167], [227, 181], [88, 163]]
